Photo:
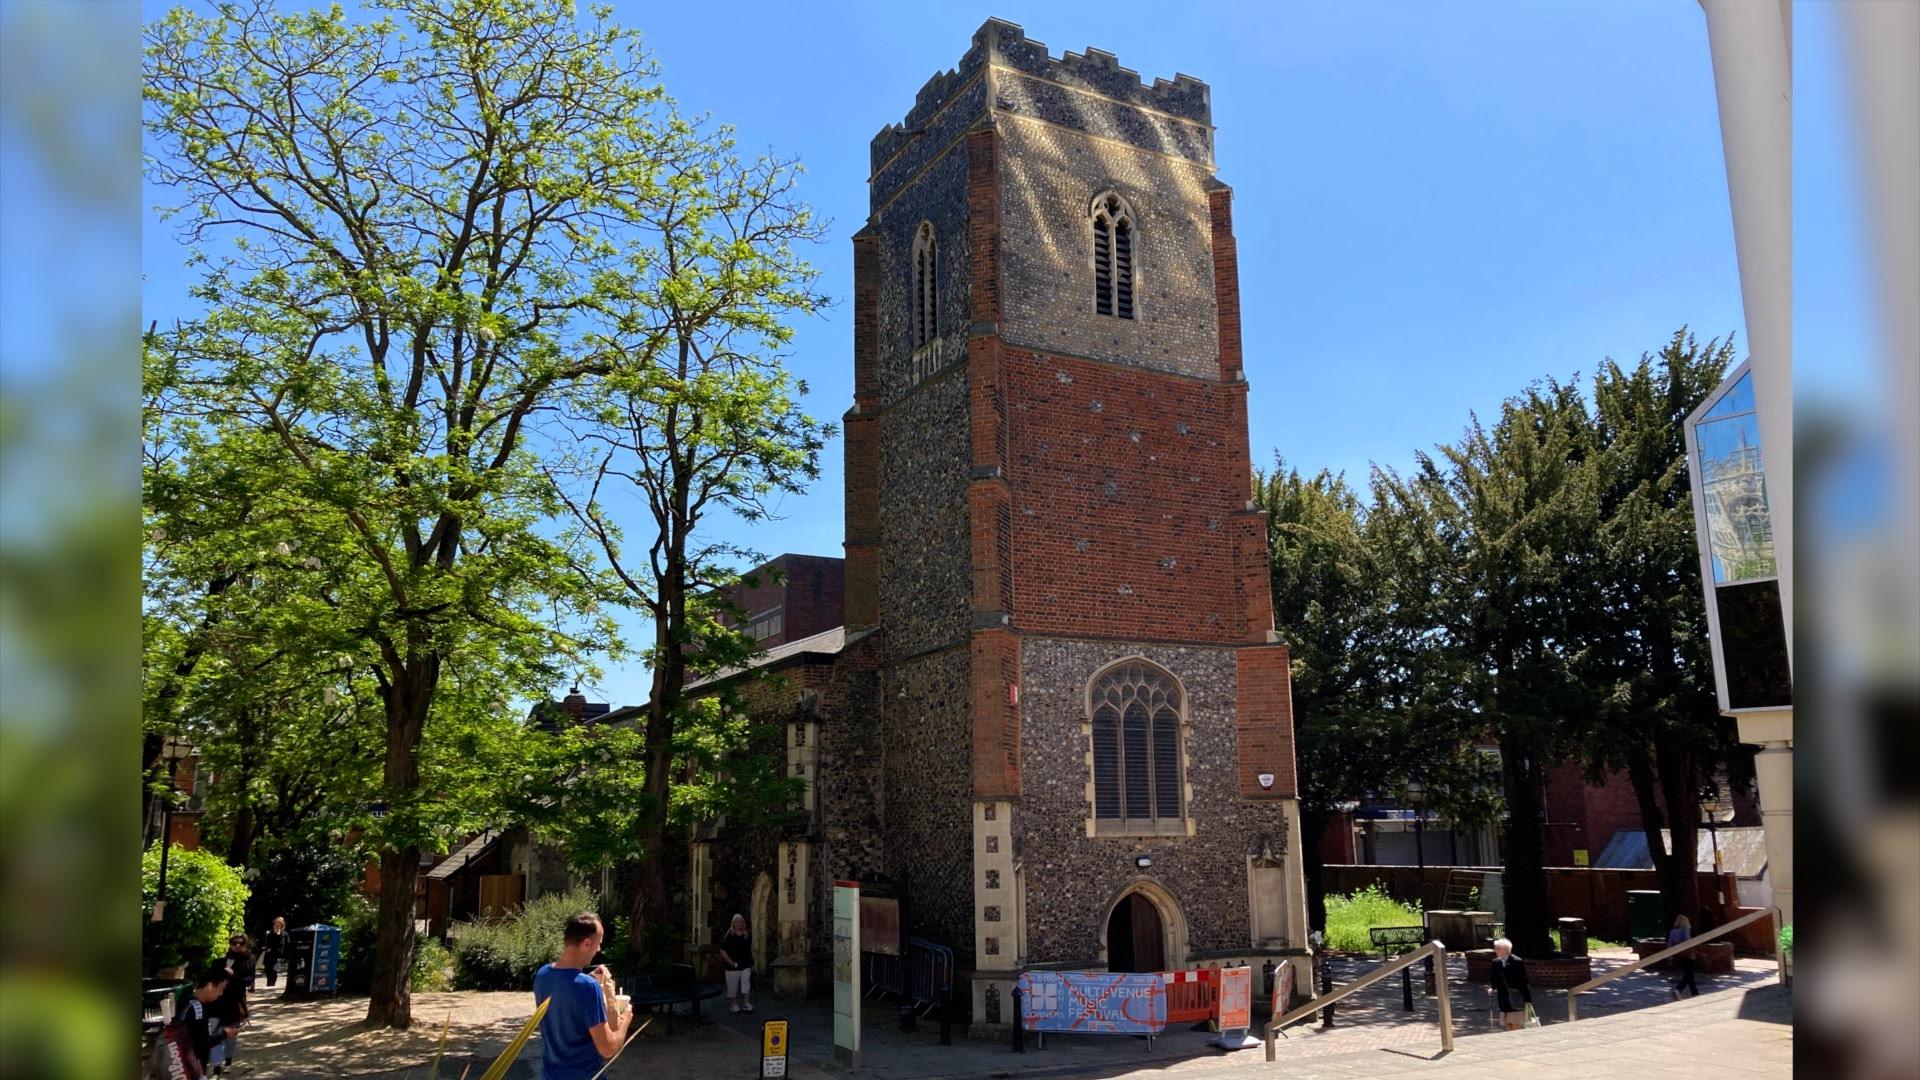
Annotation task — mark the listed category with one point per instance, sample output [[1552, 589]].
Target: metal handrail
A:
[[1432, 948], [1779, 955]]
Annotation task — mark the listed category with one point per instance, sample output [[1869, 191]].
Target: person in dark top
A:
[[194, 1027], [738, 952], [1509, 978], [273, 946], [231, 1009]]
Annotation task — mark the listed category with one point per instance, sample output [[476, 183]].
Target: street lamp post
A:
[[1416, 801], [169, 758], [1416, 798]]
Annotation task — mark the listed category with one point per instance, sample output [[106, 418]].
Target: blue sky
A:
[[1435, 204]]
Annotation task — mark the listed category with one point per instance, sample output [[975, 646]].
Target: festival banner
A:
[[1099, 1003]]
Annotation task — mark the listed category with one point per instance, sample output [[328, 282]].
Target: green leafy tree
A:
[[206, 900], [1507, 520], [709, 425], [1647, 655], [428, 227], [1348, 587]]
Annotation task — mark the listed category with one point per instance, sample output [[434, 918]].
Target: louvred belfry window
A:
[[1136, 750], [1113, 247], [926, 310]]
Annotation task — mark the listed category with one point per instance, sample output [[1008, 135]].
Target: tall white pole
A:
[[1753, 79]]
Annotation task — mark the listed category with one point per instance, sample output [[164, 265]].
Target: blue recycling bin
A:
[[313, 962]]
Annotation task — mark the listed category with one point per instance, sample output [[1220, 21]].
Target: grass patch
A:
[[1593, 943], [1350, 917]]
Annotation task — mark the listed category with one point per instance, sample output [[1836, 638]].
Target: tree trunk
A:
[[392, 1003], [650, 903], [1525, 877], [409, 695], [1652, 821], [1680, 883], [1673, 863], [245, 822], [1312, 824], [240, 845]]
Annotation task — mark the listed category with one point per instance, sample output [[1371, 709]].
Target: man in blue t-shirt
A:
[[577, 1035]]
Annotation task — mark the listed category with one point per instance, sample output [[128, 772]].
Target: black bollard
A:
[[1430, 991], [1326, 987], [946, 1017], [906, 1019], [1019, 1023], [1406, 989]]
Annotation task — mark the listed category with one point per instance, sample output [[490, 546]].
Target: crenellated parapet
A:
[[1096, 71]]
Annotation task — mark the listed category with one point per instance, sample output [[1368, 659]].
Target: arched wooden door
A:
[[1136, 936]]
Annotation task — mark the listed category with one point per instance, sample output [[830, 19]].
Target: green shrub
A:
[[1350, 917], [1786, 940], [432, 965], [504, 954], [359, 932], [304, 883], [206, 901]]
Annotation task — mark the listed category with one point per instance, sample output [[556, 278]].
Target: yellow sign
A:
[[1580, 857], [773, 1048]]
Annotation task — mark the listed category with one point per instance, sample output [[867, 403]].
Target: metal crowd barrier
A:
[[924, 976]]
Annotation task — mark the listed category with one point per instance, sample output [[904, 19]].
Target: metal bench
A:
[[1391, 939], [675, 986]]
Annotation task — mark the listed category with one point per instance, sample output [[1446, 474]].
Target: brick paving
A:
[[1744, 1018]]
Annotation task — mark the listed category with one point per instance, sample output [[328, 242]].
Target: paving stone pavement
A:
[[1738, 1026], [1372, 1032]]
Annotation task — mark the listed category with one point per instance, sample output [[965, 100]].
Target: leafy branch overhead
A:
[[442, 247]]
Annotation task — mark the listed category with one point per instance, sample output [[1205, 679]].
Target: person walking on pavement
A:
[[185, 1045], [1682, 931], [584, 1024], [273, 945], [1509, 979], [738, 951], [231, 1008]]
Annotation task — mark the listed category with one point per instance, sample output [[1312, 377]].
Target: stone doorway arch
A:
[[1144, 929], [760, 926]]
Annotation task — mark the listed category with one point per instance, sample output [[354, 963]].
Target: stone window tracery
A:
[[1136, 713], [926, 301], [1113, 248]]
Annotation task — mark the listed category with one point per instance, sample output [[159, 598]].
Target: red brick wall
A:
[[996, 717], [1265, 722], [1581, 815], [1125, 495], [861, 431], [809, 591]]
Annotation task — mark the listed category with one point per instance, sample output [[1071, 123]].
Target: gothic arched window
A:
[[1135, 708], [926, 300], [1113, 245]]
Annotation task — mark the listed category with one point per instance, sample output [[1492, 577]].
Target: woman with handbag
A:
[[1513, 1001]]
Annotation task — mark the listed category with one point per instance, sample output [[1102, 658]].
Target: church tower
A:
[[1081, 711]]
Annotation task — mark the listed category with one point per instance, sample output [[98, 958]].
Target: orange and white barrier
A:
[[1191, 995]]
